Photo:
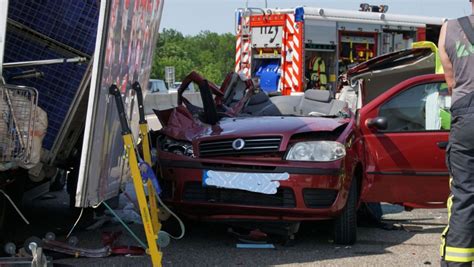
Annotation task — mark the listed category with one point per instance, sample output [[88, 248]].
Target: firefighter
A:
[[456, 46], [318, 76]]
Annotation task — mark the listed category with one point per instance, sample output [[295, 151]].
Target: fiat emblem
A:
[[238, 144]]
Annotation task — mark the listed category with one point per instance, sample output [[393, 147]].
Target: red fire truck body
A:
[[290, 48]]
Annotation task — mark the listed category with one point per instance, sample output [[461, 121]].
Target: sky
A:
[[193, 16]]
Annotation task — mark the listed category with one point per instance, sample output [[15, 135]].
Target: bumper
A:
[[302, 197]]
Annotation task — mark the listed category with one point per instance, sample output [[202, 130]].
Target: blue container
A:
[[269, 74]]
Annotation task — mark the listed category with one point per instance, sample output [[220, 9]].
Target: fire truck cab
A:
[[291, 50]]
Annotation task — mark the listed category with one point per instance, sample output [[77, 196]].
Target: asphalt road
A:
[[414, 241]]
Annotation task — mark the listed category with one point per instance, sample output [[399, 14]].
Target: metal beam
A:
[[44, 62], [38, 37]]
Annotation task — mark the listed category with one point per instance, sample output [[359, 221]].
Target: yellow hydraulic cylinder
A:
[[151, 231], [151, 190]]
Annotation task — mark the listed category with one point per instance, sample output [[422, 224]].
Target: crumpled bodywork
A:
[[184, 122], [231, 103], [201, 162], [182, 125]]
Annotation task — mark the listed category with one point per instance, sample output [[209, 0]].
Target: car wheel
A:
[[345, 226]]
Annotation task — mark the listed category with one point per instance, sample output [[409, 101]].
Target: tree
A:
[[208, 53]]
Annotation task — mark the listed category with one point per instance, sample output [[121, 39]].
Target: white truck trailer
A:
[[57, 62]]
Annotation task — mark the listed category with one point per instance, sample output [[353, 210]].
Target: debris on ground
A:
[[128, 214], [253, 237]]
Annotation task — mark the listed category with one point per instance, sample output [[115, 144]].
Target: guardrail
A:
[[163, 101]]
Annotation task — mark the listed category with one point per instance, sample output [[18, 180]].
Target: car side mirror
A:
[[379, 123]]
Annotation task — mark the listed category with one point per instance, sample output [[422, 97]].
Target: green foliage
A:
[[208, 53]]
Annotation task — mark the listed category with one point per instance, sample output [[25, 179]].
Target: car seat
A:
[[260, 105], [320, 103]]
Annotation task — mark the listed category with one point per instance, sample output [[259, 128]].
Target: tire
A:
[[210, 115], [345, 226]]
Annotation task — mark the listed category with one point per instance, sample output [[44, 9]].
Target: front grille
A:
[[237, 167], [253, 145], [319, 198], [195, 192]]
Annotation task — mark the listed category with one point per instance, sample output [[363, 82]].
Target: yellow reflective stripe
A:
[[458, 259], [443, 235], [450, 205], [460, 250], [459, 254], [443, 241]]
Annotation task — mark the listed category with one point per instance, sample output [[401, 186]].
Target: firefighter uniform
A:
[[458, 237], [457, 248], [317, 68]]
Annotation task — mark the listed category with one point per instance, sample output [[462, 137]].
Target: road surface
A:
[[413, 242]]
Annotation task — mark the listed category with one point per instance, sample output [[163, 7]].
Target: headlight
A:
[[317, 151]]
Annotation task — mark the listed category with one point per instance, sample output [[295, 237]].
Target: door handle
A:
[[443, 145]]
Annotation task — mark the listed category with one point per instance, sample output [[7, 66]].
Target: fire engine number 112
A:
[[270, 36], [271, 30]]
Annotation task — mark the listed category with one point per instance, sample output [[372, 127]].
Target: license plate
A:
[[265, 183]]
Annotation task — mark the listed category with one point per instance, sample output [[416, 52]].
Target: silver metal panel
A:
[[370, 17], [271, 36], [3, 30], [127, 35], [320, 32], [349, 26], [265, 183], [400, 28], [391, 42]]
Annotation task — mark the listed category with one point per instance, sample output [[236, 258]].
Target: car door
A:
[[405, 132]]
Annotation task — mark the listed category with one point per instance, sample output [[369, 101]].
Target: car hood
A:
[[265, 126]]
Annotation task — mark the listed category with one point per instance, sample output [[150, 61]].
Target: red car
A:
[[246, 156]]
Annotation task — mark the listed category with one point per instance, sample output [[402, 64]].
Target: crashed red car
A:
[[246, 156]]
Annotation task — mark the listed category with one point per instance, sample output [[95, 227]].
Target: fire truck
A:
[[291, 50]]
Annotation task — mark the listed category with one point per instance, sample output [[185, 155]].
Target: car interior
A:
[[421, 108], [311, 103]]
